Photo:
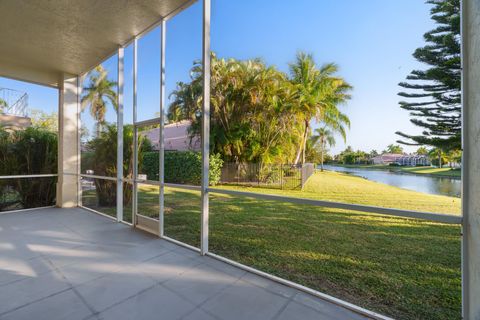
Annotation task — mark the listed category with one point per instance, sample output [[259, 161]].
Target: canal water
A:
[[427, 184]]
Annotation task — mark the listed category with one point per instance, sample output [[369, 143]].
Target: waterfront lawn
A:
[[404, 268], [443, 172], [440, 172]]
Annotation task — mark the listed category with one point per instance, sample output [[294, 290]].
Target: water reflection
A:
[[427, 184]]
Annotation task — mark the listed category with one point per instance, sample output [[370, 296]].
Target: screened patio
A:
[[126, 258]]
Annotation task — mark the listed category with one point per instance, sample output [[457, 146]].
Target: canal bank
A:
[[424, 182]]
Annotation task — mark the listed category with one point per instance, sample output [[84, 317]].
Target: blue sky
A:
[[371, 40]]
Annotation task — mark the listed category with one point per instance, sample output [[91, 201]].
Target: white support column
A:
[[135, 132], [79, 139], [471, 159], [205, 125], [120, 135], [68, 131], [161, 174]]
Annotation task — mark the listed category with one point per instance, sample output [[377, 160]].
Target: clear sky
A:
[[371, 40]]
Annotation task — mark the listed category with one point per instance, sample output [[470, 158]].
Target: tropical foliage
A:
[[393, 148], [101, 157], [184, 167], [45, 120], [97, 93], [323, 139], [3, 105], [434, 94], [26, 152], [260, 114]]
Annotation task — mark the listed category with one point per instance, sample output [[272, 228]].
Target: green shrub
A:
[[184, 167], [101, 157], [27, 152]]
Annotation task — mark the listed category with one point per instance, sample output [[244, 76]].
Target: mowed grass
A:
[[440, 172], [444, 172], [404, 268]]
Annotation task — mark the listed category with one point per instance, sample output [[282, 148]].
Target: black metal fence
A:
[[277, 176]]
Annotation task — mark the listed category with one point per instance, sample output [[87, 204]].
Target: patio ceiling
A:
[[41, 40]]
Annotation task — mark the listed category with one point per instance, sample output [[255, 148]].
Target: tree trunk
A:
[[439, 158], [301, 148], [304, 150], [321, 160]]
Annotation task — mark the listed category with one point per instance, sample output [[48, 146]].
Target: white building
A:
[[410, 160]]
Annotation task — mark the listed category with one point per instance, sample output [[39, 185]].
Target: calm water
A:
[[426, 184]]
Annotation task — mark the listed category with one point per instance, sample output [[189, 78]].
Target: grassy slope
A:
[[407, 269], [441, 172], [333, 186], [444, 172]]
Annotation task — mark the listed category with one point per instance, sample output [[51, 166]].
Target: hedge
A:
[[27, 152], [183, 167]]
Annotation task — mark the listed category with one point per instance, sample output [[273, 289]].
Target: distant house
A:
[[402, 159], [177, 137]]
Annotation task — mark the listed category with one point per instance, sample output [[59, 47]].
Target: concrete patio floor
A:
[[73, 264]]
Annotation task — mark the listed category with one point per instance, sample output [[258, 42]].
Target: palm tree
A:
[[99, 91], [324, 137], [319, 94], [439, 154], [394, 148]]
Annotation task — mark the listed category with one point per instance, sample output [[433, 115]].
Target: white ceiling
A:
[[42, 39]]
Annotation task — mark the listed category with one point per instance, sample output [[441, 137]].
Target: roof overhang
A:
[[43, 40]]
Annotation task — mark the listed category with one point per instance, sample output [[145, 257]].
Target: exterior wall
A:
[[15, 122], [177, 137], [68, 157]]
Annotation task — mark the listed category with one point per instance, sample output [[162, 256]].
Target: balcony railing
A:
[[13, 102]]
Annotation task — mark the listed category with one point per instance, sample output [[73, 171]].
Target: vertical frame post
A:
[[79, 139], [205, 124], [135, 132], [470, 24], [161, 174], [120, 134]]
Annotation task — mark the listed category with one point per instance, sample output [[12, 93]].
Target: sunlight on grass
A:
[[340, 187], [404, 268]]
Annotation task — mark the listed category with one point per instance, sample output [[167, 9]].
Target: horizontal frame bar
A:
[[443, 218], [147, 182], [21, 176], [435, 217], [99, 213], [181, 244], [147, 218], [26, 210], [98, 177], [183, 186], [318, 294], [157, 183]]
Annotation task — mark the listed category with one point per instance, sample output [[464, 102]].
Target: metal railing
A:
[[13, 102], [276, 176]]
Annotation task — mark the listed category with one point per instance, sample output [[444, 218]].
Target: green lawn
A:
[[441, 172], [405, 268]]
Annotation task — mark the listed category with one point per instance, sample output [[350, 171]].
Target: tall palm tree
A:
[[324, 138], [99, 91], [319, 94]]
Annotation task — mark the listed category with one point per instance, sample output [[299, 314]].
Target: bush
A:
[[183, 167], [101, 157], [26, 152]]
